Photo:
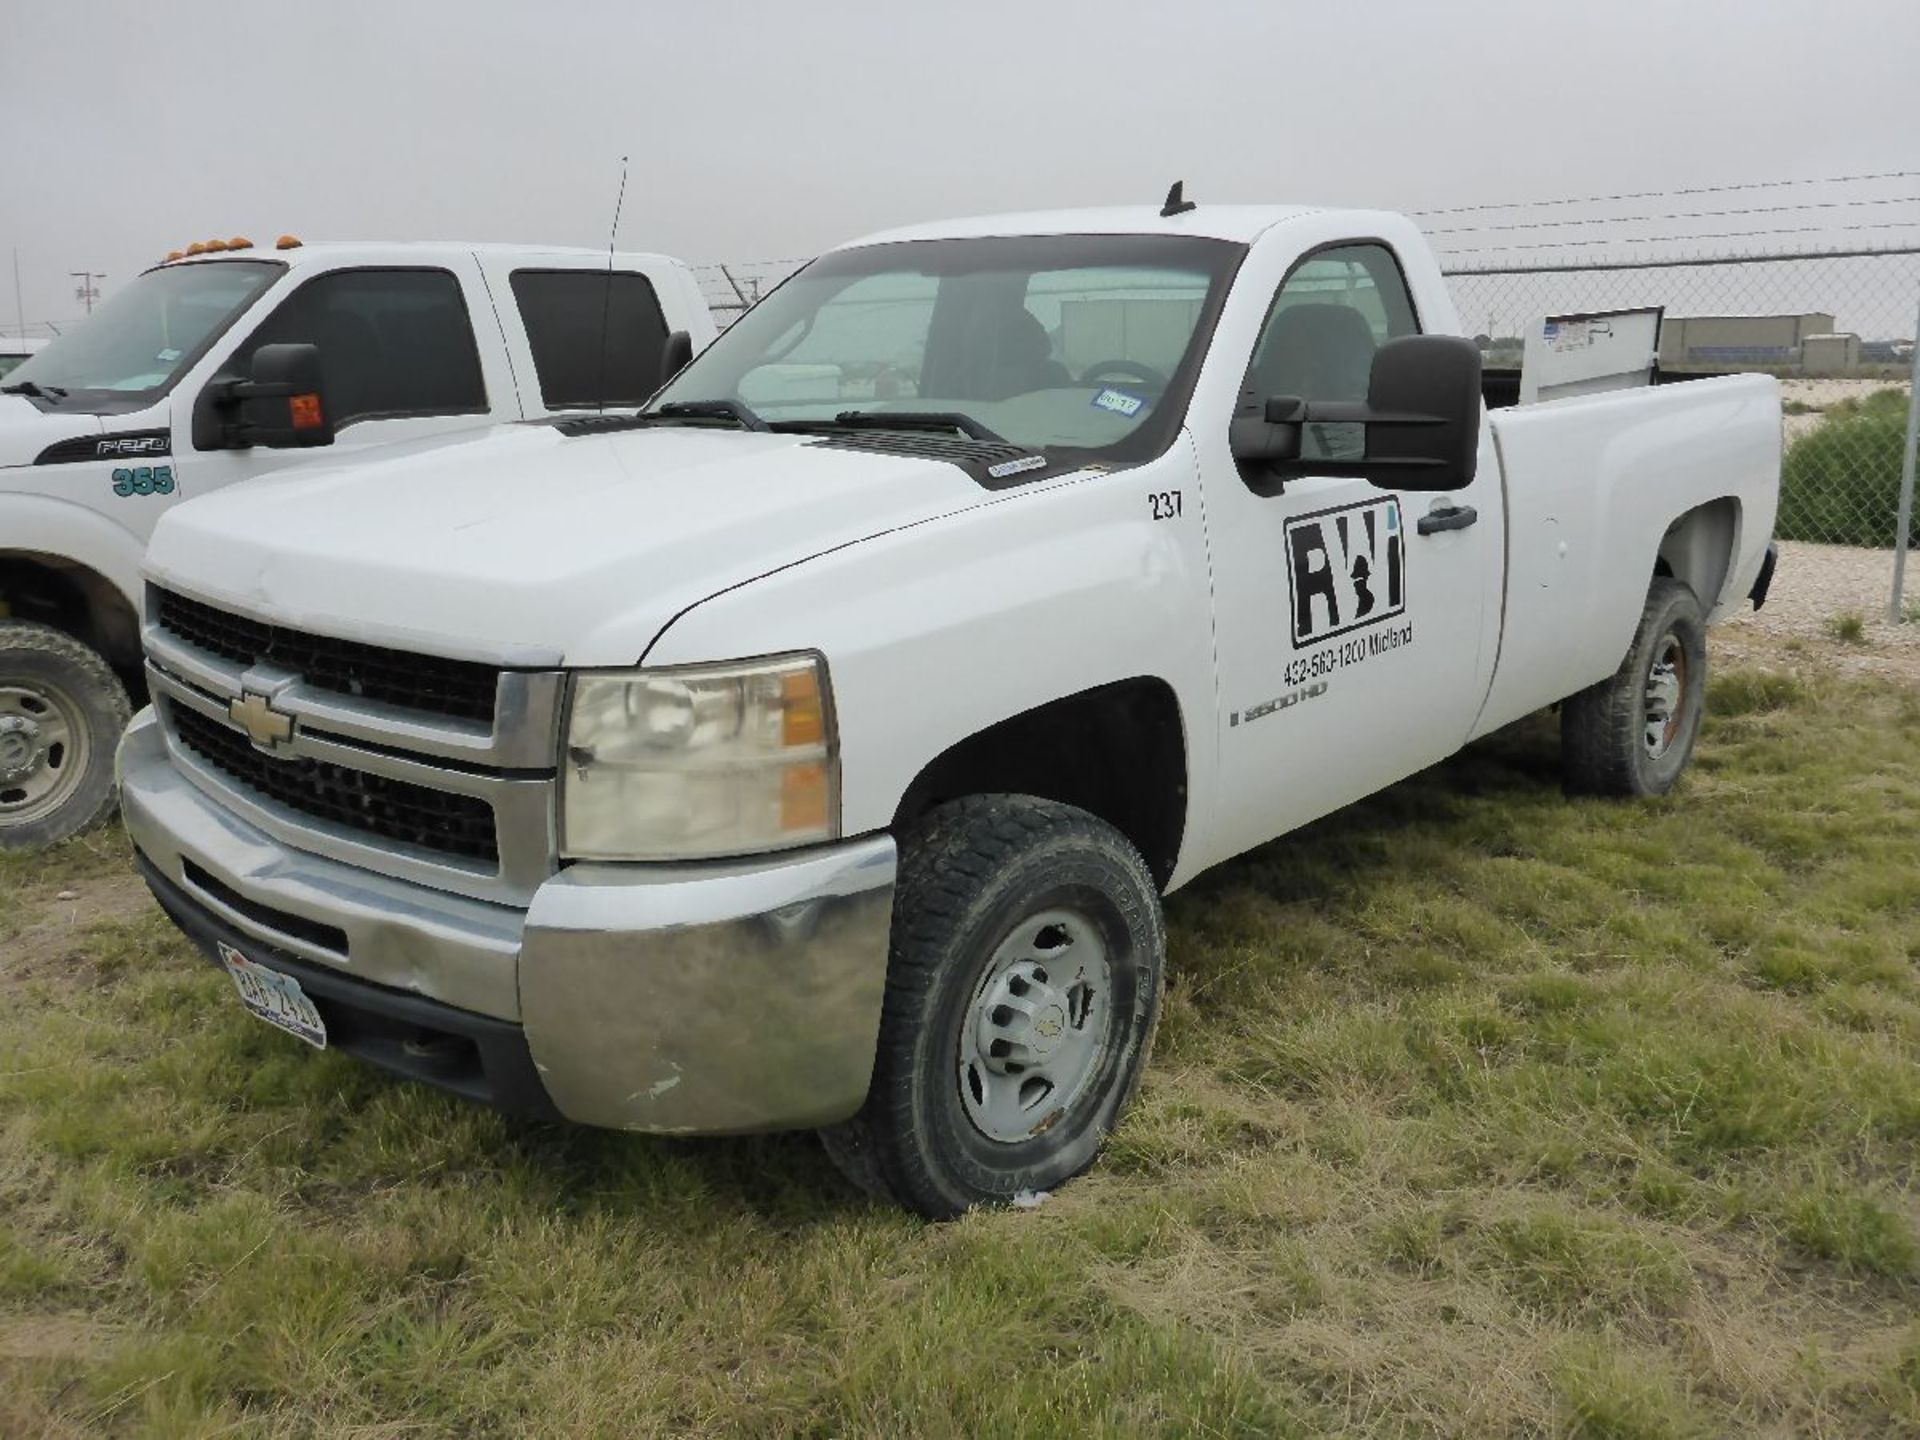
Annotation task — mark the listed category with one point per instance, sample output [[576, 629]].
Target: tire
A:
[[62, 711], [999, 1071], [1633, 733]]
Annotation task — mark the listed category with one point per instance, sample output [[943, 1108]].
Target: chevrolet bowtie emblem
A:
[[265, 726]]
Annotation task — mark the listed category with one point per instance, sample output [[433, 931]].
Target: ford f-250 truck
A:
[[813, 747], [158, 397]]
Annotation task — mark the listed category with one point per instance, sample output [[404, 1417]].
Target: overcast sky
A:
[[761, 131]]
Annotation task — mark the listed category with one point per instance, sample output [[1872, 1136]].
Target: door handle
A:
[[1447, 517]]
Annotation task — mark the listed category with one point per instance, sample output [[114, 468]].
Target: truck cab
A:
[[147, 404]]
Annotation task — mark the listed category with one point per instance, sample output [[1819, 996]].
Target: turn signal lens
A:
[[304, 410]]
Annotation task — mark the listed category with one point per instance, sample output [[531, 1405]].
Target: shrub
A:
[[1840, 483]]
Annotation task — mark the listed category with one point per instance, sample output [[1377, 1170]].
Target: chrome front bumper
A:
[[713, 998]]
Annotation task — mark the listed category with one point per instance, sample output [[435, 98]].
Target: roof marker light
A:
[[287, 242]]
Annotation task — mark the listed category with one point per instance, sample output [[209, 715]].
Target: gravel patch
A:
[[1815, 589]]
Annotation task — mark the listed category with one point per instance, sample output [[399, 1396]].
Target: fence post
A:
[[1895, 607]]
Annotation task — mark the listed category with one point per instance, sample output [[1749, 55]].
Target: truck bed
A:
[[1591, 486]]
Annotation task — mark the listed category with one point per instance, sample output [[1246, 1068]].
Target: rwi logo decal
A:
[[1346, 568]]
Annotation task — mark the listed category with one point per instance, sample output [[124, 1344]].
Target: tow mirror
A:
[[675, 355], [1420, 422], [281, 405]]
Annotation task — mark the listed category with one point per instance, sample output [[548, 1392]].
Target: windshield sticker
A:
[[167, 357], [1346, 569], [1119, 402], [1016, 467]]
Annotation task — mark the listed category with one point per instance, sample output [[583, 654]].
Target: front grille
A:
[[392, 809], [462, 688]]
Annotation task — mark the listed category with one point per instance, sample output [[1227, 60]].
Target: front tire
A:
[[62, 711], [1633, 733], [1022, 995]]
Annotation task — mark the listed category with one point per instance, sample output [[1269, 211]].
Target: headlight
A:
[[701, 761]]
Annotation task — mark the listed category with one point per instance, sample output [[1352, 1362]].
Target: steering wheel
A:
[[1125, 370]]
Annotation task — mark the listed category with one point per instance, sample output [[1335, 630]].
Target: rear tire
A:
[[62, 711], [1023, 991], [1633, 733]]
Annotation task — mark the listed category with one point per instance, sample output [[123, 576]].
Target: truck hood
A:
[[520, 545], [25, 431]]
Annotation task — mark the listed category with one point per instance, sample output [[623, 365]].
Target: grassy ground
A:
[[1476, 1112]]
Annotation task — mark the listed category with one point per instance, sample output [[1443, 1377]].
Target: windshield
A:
[[137, 344], [1083, 343], [9, 363]]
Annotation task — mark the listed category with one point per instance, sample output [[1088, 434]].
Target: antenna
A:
[[606, 304], [1177, 203]]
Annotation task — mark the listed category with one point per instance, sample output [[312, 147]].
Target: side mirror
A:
[[282, 405], [1421, 421], [675, 354]]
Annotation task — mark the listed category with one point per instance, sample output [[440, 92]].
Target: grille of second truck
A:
[[461, 688], [390, 809]]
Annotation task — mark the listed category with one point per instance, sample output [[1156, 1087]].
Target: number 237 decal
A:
[[1165, 503], [143, 480]]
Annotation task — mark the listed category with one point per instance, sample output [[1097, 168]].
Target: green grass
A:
[[1475, 1112], [1849, 627]]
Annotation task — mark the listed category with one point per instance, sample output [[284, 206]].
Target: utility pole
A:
[[19, 305], [87, 290]]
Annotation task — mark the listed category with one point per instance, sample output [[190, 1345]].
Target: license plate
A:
[[275, 998]]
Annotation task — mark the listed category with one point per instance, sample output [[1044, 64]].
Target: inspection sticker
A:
[[1119, 402]]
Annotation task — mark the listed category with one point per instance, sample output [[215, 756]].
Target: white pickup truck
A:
[[813, 748], [163, 394]]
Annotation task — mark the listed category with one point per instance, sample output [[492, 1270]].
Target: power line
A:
[[1662, 194]]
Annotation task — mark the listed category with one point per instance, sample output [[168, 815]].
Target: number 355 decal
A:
[[144, 480]]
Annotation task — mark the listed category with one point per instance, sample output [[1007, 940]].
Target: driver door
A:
[[1348, 641], [400, 359]]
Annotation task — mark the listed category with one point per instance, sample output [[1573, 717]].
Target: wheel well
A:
[[1698, 549], [1118, 751], [73, 599]]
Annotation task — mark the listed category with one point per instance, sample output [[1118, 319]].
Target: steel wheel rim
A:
[[1664, 703], [44, 750], [1033, 1036]]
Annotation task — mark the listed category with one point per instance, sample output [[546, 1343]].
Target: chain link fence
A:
[[1836, 327]]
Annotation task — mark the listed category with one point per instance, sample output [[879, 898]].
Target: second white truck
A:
[[165, 392], [813, 748]]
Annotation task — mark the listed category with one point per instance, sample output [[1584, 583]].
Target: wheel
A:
[[61, 713], [1632, 733], [1022, 994]]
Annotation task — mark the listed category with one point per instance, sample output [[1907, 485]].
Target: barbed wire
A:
[[1676, 215], [1666, 194]]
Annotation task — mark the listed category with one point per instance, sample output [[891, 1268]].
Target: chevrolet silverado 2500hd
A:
[[813, 747], [165, 393]]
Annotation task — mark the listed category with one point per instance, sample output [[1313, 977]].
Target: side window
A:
[[394, 342], [596, 339], [1331, 313]]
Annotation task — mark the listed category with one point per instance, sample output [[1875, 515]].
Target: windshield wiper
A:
[[27, 387], [938, 420], [707, 410]]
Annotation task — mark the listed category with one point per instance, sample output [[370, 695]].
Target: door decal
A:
[[1346, 569]]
